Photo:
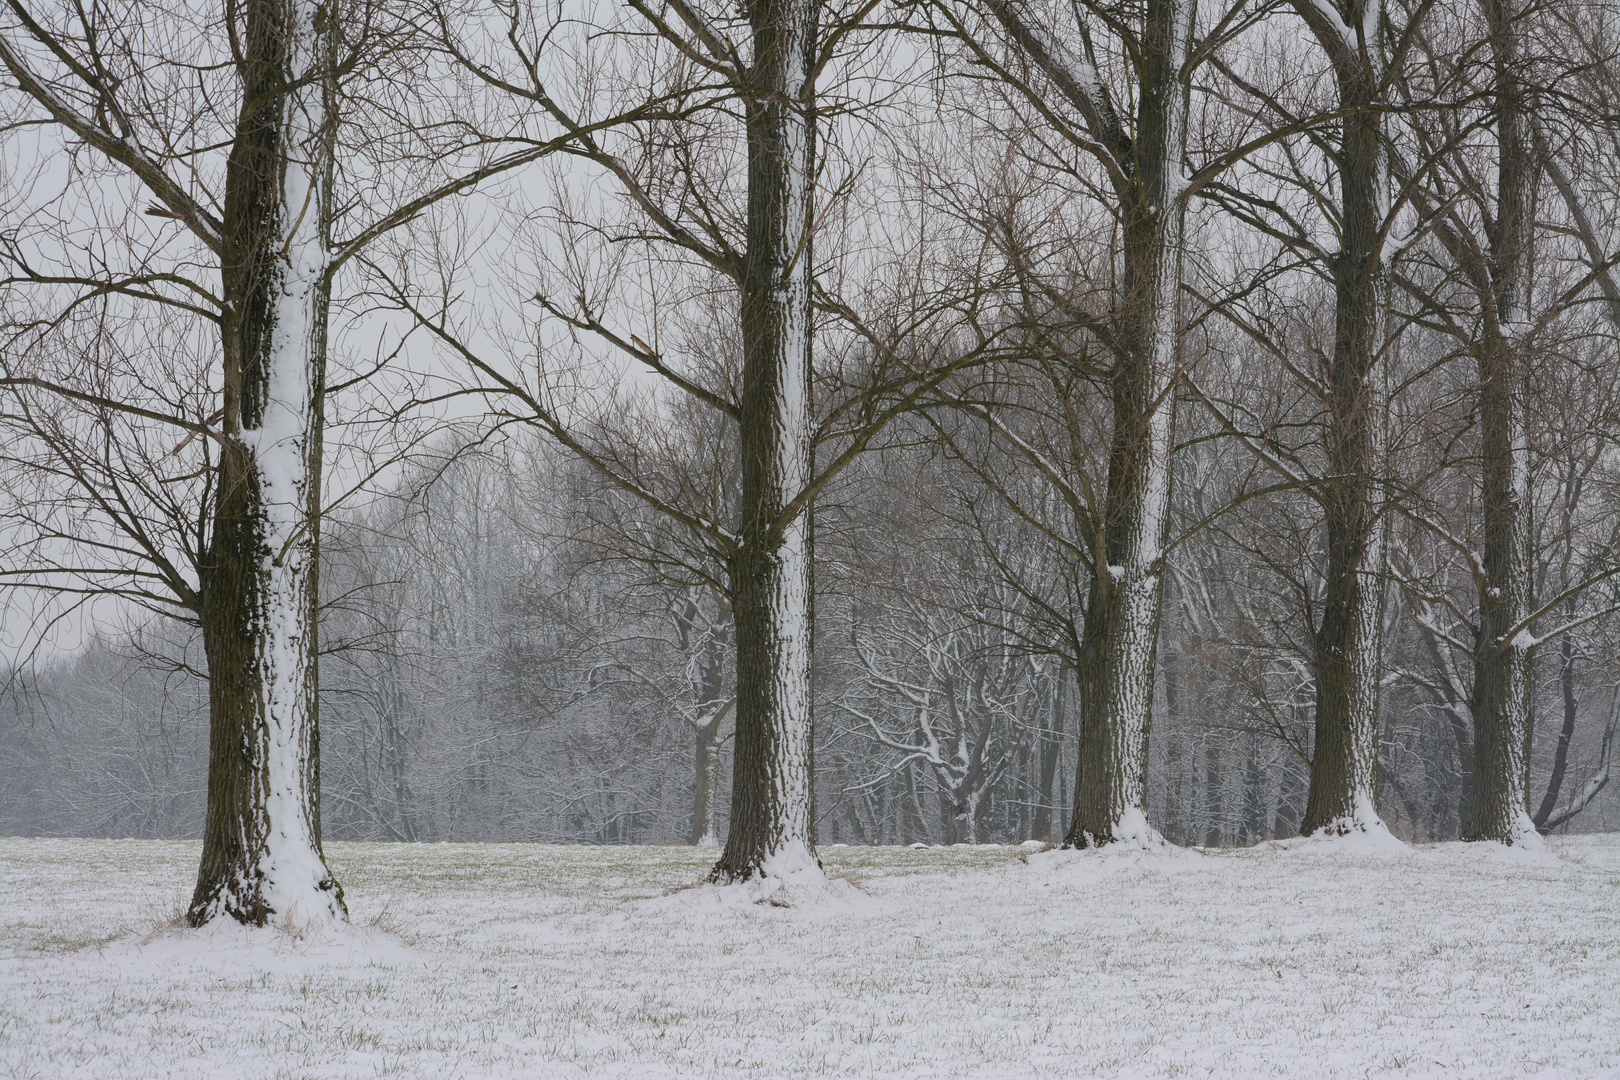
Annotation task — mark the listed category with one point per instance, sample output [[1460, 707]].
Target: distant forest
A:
[[503, 662]]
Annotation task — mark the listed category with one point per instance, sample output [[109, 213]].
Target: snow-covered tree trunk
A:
[[1348, 639], [1497, 806], [705, 642], [262, 859], [1122, 616], [705, 802], [771, 820]]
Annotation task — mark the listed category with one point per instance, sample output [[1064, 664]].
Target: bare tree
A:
[[1144, 177], [1497, 246], [672, 174], [1497, 806], [966, 701], [1363, 44], [229, 125], [254, 595]]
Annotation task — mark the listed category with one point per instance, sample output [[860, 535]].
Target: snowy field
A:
[[473, 961]]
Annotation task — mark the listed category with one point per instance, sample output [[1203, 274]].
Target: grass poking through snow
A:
[[472, 960]]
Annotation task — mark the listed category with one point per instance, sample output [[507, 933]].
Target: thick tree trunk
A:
[[1122, 615], [262, 858], [984, 816], [771, 814], [1498, 803], [1348, 643]]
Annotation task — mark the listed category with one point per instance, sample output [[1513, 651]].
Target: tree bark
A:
[[1594, 783], [1348, 642], [1498, 803], [1051, 749], [1566, 680], [771, 833], [704, 643], [705, 804], [911, 806], [262, 858], [1126, 597]]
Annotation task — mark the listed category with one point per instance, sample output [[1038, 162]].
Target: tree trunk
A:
[[919, 823], [771, 811], [1289, 790], [262, 858], [705, 805], [1566, 680], [1051, 750], [959, 818], [1170, 819], [1255, 794], [1348, 643], [704, 643], [1461, 732], [1498, 803], [395, 747], [1594, 783], [1122, 614]]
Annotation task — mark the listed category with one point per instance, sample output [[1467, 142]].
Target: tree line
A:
[[901, 392]]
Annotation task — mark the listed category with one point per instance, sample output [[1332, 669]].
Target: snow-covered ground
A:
[[474, 960]]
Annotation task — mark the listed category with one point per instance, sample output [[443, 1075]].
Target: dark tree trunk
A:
[[1289, 794], [856, 828], [1213, 808], [984, 817], [1345, 752], [1126, 597], [1498, 806], [1461, 733], [262, 858], [1566, 733], [1254, 823], [1171, 823], [771, 798], [1051, 751], [912, 808], [952, 819]]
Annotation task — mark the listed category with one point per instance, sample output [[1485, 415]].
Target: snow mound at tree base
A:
[[805, 889], [1380, 843], [1076, 864], [1349, 836], [1360, 831], [1521, 854]]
